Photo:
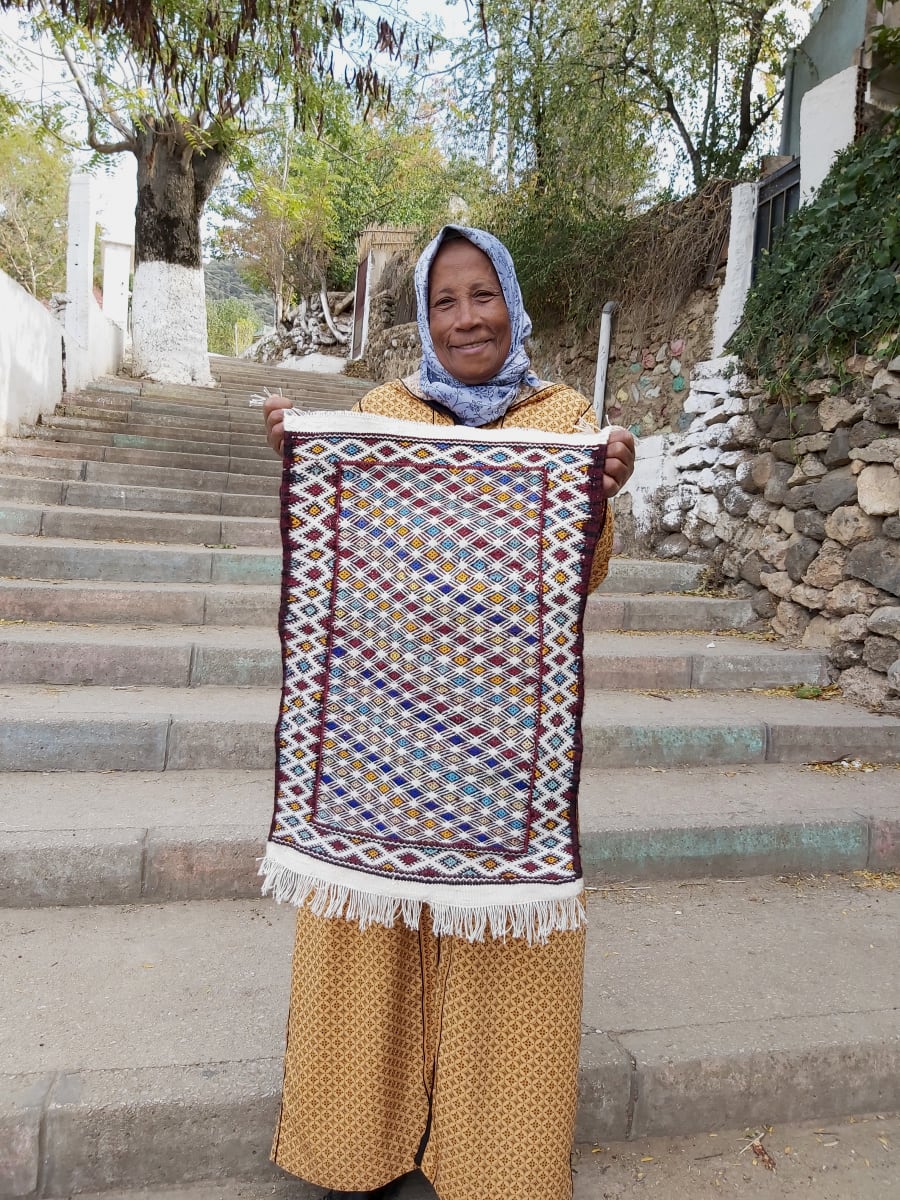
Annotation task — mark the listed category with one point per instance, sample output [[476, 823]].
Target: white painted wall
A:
[[827, 125], [739, 270], [102, 355], [94, 344], [654, 469], [30, 358], [117, 258]]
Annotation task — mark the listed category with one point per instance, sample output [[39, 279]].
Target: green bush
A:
[[231, 325], [831, 285]]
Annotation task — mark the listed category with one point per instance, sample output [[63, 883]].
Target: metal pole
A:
[[603, 359]]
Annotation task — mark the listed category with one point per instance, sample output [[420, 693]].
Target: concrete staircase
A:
[[742, 960]]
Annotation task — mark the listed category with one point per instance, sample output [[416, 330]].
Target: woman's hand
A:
[[619, 461], [273, 411]]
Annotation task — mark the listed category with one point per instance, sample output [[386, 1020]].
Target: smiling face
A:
[[467, 315]]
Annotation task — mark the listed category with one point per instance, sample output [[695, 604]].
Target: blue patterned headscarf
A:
[[476, 404]]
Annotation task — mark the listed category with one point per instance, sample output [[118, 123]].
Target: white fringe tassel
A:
[[534, 921]]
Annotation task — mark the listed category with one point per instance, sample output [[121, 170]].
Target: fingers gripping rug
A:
[[429, 739]]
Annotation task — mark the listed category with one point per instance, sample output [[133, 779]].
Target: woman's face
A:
[[467, 315]]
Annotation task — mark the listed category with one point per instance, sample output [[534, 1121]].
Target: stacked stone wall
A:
[[799, 507]]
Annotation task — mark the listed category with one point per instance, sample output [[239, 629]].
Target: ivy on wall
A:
[[831, 284]]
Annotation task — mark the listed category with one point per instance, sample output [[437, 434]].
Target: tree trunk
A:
[[174, 182]]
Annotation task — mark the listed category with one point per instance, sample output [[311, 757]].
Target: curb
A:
[[98, 1130], [70, 867], [157, 742]]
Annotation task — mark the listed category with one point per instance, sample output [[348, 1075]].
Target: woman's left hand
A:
[[619, 461]]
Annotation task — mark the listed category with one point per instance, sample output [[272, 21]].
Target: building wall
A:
[[829, 48], [827, 125]]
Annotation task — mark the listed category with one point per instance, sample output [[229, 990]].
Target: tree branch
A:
[[92, 112]]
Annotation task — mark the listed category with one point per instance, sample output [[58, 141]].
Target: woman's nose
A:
[[466, 314]]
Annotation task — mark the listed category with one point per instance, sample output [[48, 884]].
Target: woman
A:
[[408, 1050]]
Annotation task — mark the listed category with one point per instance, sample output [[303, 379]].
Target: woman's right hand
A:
[[273, 411]]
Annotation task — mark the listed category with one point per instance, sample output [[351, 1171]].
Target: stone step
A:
[[149, 431], [126, 413], [121, 838], [204, 656], [129, 602], [214, 445], [131, 728], [856, 1152], [125, 497], [704, 1011], [59, 558], [101, 525], [641, 576], [37, 465], [222, 463], [64, 558], [607, 609], [220, 604], [222, 410]]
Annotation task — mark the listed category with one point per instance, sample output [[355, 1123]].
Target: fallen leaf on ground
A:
[[888, 881]]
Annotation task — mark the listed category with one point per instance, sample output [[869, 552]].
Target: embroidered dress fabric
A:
[[429, 741]]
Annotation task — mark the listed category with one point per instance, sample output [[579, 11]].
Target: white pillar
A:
[[80, 260], [117, 261], [739, 271]]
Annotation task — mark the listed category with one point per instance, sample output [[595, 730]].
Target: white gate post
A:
[[739, 270], [80, 260], [117, 259]]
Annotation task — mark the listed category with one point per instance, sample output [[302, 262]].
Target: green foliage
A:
[[569, 266], [711, 72], [211, 60], [305, 197], [832, 282], [600, 95], [540, 114], [231, 325], [884, 42], [225, 280], [34, 181]]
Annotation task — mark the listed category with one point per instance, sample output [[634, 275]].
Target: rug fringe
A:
[[534, 921]]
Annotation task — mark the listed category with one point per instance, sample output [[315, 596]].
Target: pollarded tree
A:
[[180, 84]]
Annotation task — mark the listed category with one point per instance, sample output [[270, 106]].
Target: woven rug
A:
[[429, 741]]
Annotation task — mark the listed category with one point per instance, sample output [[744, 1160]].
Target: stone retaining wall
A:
[[800, 508]]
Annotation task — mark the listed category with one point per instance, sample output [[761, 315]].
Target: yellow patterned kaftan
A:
[[409, 1050]]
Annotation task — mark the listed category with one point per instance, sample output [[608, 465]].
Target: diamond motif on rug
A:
[[433, 594]]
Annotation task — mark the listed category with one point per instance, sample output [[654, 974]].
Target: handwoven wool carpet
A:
[[429, 739]]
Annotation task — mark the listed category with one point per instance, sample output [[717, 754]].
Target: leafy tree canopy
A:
[[34, 180], [304, 197], [557, 85], [213, 60]]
